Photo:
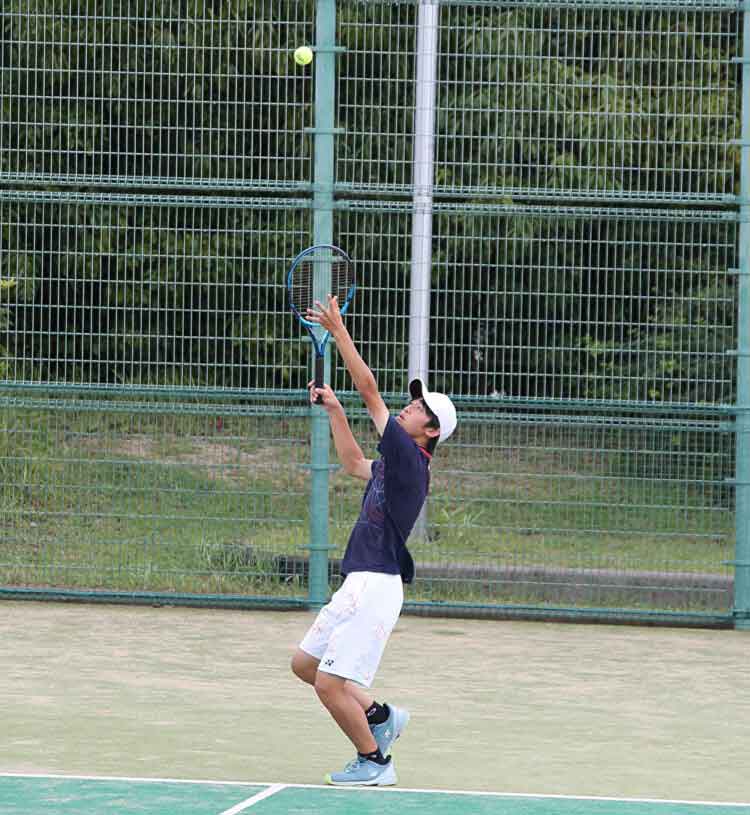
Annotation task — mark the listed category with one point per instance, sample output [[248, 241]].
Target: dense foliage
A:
[[542, 105]]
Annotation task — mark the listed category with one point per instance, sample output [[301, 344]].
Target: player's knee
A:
[[297, 667], [328, 687], [304, 668]]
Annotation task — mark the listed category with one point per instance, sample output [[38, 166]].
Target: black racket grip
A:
[[319, 376]]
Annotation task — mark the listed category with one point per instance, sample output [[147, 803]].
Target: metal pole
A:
[[423, 174], [423, 177], [323, 131], [741, 608]]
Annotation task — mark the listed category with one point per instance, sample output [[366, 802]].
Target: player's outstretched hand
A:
[[327, 316], [330, 400]]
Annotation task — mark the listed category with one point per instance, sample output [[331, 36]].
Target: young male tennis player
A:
[[341, 652]]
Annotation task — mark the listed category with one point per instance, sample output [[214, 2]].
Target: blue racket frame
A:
[[319, 344]]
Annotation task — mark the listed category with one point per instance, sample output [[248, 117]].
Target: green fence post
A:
[[741, 609], [323, 134]]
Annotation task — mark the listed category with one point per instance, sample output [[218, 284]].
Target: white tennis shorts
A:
[[350, 633]]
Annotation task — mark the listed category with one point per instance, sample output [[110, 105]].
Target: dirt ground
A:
[[503, 706]]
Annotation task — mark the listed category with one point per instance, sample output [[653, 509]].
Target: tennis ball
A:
[[303, 55]]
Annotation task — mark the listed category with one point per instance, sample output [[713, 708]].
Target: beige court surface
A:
[[503, 706]]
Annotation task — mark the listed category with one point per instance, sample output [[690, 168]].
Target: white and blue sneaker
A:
[[387, 732], [364, 773]]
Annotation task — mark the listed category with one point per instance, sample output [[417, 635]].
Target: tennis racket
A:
[[300, 282]]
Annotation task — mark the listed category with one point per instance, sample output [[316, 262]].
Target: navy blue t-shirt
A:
[[392, 501]]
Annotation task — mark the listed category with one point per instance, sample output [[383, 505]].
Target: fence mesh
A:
[[151, 494], [156, 93], [535, 100], [163, 291], [158, 176], [551, 303]]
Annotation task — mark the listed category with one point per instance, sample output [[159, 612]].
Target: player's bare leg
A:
[[386, 722], [364, 699], [304, 666], [347, 703], [346, 711]]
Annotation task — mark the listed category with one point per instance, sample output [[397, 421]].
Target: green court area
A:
[[59, 795], [53, 795]]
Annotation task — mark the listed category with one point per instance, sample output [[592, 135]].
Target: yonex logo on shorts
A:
[[328, 663]]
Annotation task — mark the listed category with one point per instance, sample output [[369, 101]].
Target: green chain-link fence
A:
[[161, 166]]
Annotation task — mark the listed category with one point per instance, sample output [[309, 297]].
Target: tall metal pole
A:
[[423, 177], [325, 92], [741, 608]]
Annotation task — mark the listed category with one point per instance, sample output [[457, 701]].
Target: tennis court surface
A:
[[98, 701], [78, 795]]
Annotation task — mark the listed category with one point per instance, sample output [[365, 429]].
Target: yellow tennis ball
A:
[[303, 55]]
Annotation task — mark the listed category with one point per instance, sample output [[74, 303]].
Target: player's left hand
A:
[[328, 316], [330, 400]]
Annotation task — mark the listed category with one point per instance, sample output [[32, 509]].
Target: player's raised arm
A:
[[329, 317], [349, 452]]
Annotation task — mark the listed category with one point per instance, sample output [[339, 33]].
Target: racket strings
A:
[[302, 287], [341, 280]]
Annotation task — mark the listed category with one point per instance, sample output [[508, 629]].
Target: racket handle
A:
[[319, 377]]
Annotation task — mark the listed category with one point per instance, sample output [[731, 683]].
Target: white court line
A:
[[132, 779], [376, 790], [251, 802]]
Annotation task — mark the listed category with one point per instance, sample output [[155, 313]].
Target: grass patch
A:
[[188, 504]]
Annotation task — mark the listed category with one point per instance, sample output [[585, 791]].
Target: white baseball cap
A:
[[439, 404]]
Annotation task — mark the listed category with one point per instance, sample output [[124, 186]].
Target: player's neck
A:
[[422, 441]]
